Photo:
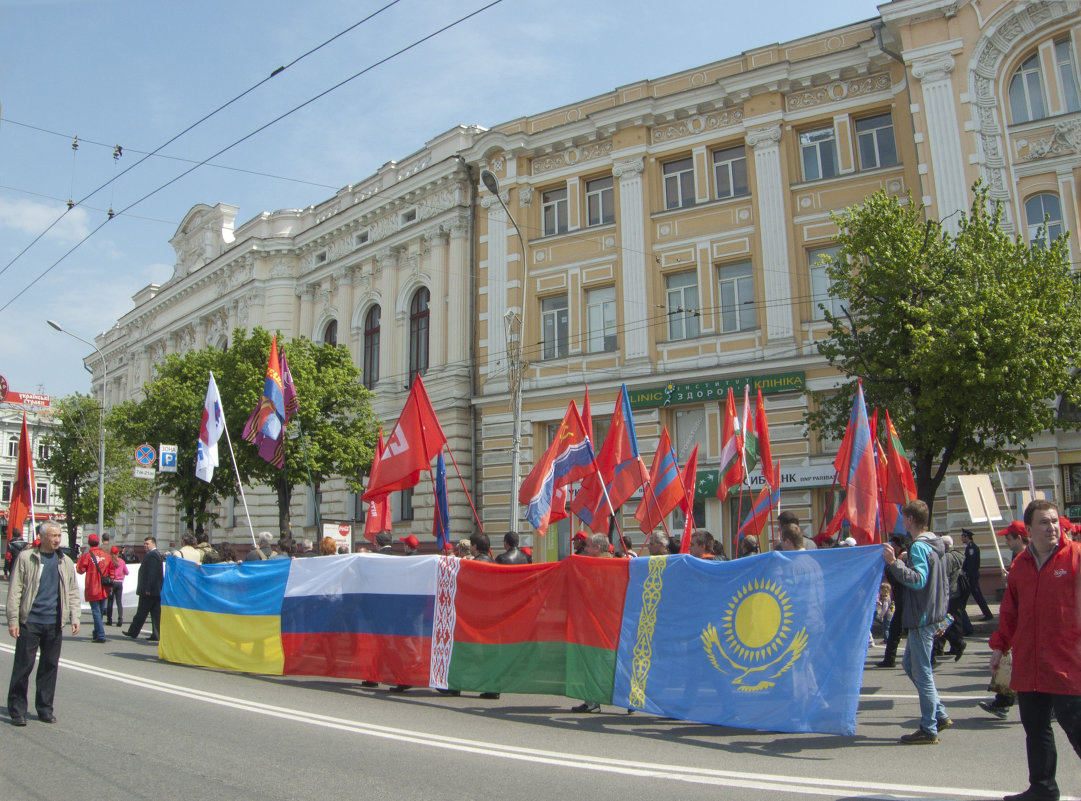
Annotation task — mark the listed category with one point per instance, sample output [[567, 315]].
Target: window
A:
[[554, 327], [554, 211], [371, 348], [321, 257], [5, 491], [1026, 91], [730, 172], [360, 239], [418, 334], [820, 283], [409, 216], [601, 319], [1043, 210], [818, 148], [405, 504], [600, 201], [682, 291], [1067, 74], [678, 184], [13, 446], [330, 334], [43, 450], [874, 136], [41, 493], [737, 298]]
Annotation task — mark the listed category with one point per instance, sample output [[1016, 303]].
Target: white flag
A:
[[206, 458]]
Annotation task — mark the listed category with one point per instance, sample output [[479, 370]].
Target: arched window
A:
[[330, 334], [418, 334], [371, 348], [1026, 92], [1043, 209]]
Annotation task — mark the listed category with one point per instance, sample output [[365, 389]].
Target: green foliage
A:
[[74, 454], [335, 417], [966, 339]]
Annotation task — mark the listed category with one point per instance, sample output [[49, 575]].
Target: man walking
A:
[[96, 564], [148, 588], [926, 590], [42, 597], [1039, 621], [972, 573]]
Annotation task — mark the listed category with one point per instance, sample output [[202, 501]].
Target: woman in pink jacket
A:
[[120, 569]]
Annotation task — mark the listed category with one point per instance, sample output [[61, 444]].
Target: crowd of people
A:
[[925, 593]]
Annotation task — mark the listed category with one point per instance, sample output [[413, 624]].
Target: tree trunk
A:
[[285, 497]]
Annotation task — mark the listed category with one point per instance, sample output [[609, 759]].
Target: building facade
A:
[[48, 505], [665, 235]]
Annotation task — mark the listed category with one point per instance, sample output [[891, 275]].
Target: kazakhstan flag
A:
[[774, 642]]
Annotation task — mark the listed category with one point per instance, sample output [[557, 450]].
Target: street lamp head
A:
[[491, 183], [55, 325]]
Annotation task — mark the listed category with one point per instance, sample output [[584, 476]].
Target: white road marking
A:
[[723, 778]]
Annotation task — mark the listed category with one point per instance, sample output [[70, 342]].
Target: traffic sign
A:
[[145, 472], [145, 455], [168, 458]]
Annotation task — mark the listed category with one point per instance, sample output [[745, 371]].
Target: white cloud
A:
[[31, 217]]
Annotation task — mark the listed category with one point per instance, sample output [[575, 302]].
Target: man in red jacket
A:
[[1040, 620], [96, 564]]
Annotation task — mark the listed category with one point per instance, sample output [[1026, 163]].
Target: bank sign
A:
[[792, 478], [672, 393]]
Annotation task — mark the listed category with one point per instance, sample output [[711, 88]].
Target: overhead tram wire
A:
[[278, 71], [244, 138]]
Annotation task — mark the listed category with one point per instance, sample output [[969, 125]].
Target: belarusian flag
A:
[[731, 450], [750, 440]]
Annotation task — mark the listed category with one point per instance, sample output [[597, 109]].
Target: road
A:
[[133, 727]]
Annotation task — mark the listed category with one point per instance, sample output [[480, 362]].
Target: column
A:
[[943, 137], [633, 254], [459, 302], [773, 230], [435, 242], [496, 354]]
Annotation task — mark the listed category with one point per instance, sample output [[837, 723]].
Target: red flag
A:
[[765, 453], [620, 467], [731, 449], [860, 481], [763, 504], [665, 489], [690, 476], [587, 417], [378, 517], [559, 505], [900, 483], [22, 493], [568, 459], [833, 527], [414, 441]]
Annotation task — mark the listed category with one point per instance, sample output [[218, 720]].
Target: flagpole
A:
[[239, 483], [461, 478], [29, 473], [311, 484], [826, 506]]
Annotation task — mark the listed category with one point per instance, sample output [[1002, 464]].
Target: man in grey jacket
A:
[[42, 597], [927, 591]]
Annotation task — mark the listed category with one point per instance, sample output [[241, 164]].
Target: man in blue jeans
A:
[[927, 591]]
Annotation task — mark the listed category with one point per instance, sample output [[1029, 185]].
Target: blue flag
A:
[[780, 645], [441, 524]]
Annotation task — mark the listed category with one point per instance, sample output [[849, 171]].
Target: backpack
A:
[[210, 555]]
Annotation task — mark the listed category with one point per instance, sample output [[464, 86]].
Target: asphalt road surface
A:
[[133, 727]]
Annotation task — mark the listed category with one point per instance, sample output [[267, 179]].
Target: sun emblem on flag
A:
[[758, 640]]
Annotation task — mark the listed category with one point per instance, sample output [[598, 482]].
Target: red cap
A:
[[1016, 527], [581, 535], [114, 550], [526, 550], [448, 547], [411, 541], [92, 539]]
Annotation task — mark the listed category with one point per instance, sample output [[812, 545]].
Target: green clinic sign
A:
[[672, 394]]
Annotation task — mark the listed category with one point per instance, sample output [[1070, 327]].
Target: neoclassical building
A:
[[665, 235]]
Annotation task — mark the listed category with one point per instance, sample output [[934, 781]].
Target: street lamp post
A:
[[101, 428], [491, 183]]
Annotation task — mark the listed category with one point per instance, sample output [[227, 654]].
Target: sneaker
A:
[[945, 723], [920, 737], [992, 708]]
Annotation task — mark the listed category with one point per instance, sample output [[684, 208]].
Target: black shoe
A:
[[451, 693], [585, 706], [1030, 795], [886, 663], [18, 720], [99, 639], [400, 688], [992, 708], [920, 737], [46, 717], [986, 618], [127, 633], [151, 638], [959, 651], [489, 696], [369, 684]]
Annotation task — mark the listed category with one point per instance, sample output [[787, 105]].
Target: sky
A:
[[138, 74]]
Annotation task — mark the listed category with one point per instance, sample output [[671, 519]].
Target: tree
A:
[[73, 456], [333, 432], [171, 411], [966, 339]]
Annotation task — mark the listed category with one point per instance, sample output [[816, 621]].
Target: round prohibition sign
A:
[[145, 455]]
